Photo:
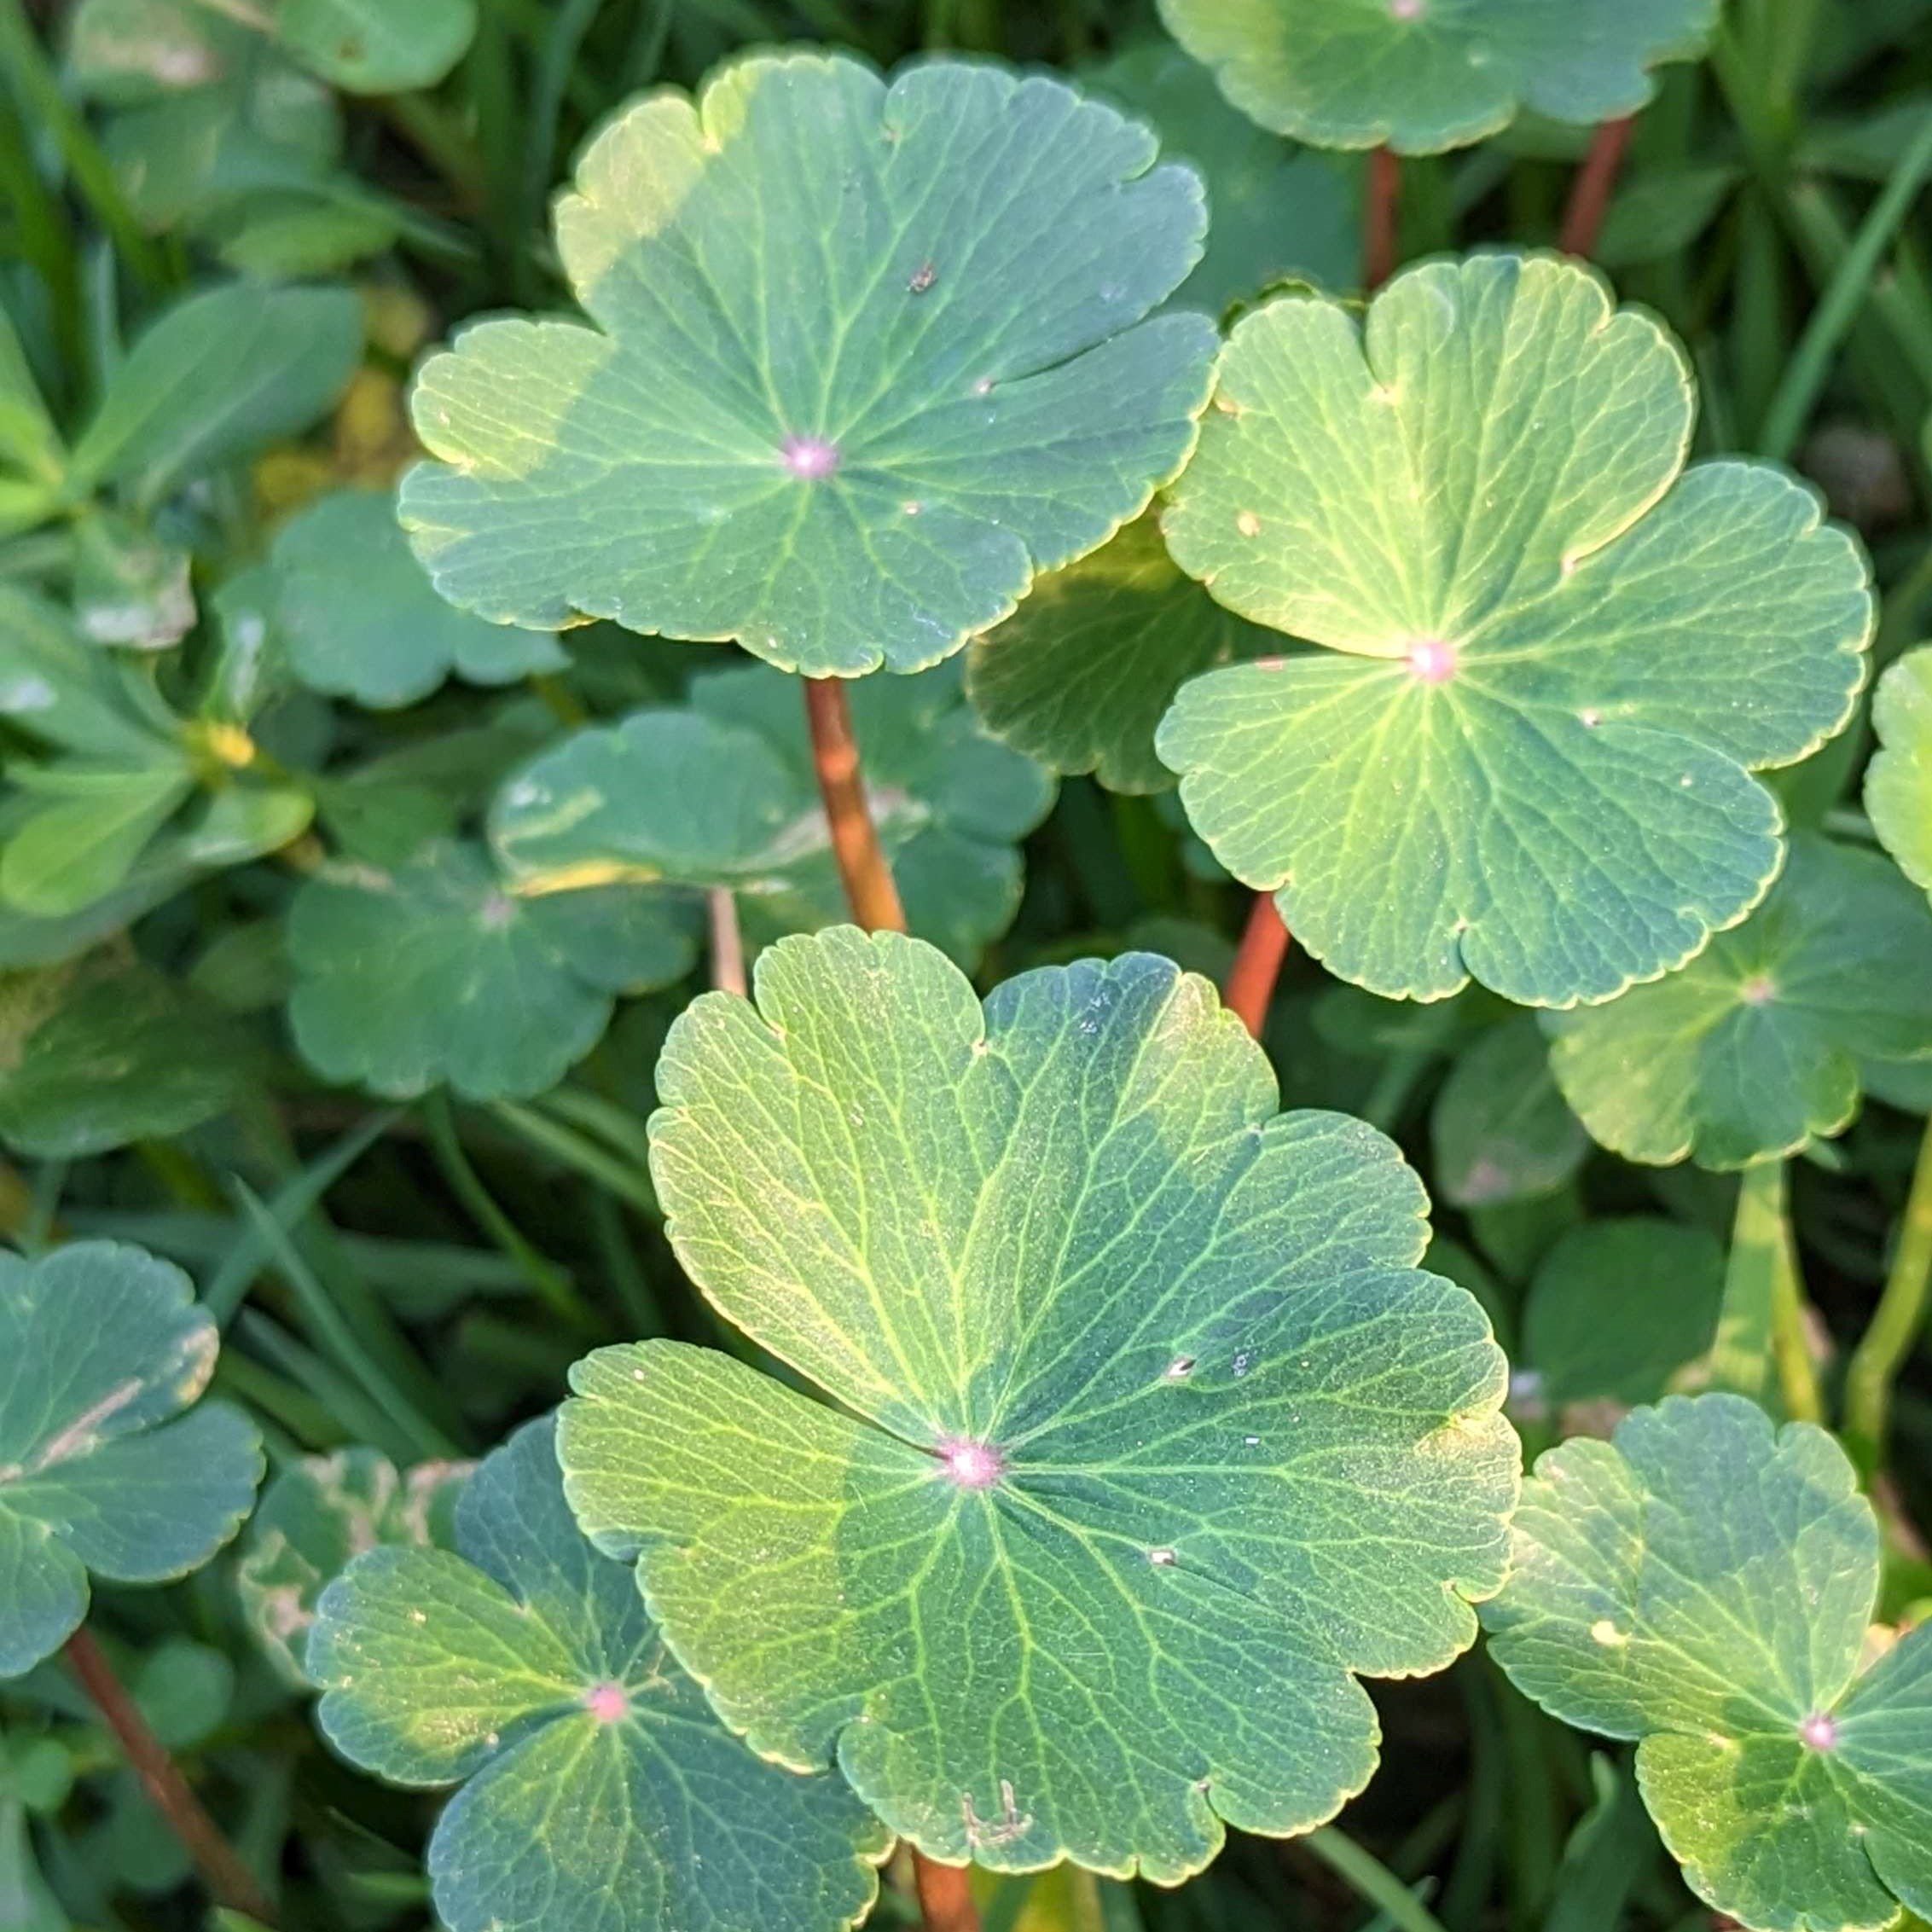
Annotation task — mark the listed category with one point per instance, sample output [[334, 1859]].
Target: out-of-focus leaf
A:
[[1500, 1129]]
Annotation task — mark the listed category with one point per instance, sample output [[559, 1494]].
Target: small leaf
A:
[[101, 1348], [1752, 1051], [220, 375], [1080, 676], [1898, 782], [1426, 75], [1500, 1129], [1151, 1438], [83, 844], [375, 46], [317, 1514], [598, 1788], [358, 618], [1620, 1306], [866, 359], [59, 689], [436, 973], [1703, 1584], [1553, 662]]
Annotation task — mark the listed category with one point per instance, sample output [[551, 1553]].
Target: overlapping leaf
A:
[[435, 972], [1898, 782], [1152, 1435], [369, 47], [1753, 1050], [866, 358], [597, 1789], [316, 1516], [1556, 657], [359, 619], [1425, 75], [1499, 1130], [1705, 1585], [722, 793], [101, 1348]]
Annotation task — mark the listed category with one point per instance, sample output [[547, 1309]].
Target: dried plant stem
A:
[[1380, 204], [227, 1879], [1895, 1323], [874, 899], [1590, 194], [1257, 964], [728, 943], [945, 1895]]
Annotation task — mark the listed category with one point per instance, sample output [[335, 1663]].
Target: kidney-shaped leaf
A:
[[1425, 75], [599, 1790], [435, 974], [373, 47], [1898, 782], [1555, 661], [868, 357], [359, 619], [101, 1348], [316, 1516], [1704, 1583], [1154, 1436], [1752, 1051]]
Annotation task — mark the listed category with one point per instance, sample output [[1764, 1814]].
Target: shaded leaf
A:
[[375, 46], [1152, 1438], [101, 1348], [866, 359], [598, 1788], [1705, 1585], [1556, 656], [1499, 1130]]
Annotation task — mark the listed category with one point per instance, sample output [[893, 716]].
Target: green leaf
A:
[[1276, 212], [317, 1514], [83, 844], [1151, 1438], [1898, 782], [359, 619], [1080, 676], [1752, 1051], [436, 973], [100, 1469], [25, 1903], [130, 587], [866, 359], [220, 375], [598, 1788], [374, 46], [1425, 75], [1500, 1129], [723, 793], [1704, 1584], [1556, 656], [29, 441], [1620, 1306], [1662, 210], [98, 1058], [59, 689]]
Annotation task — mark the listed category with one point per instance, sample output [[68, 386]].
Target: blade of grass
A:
[[580, 1152], [617, 1127], [1371, 1880], [1896, 1323], [358, 1419]]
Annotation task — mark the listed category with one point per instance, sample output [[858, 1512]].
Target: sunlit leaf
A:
[[1898, 782]]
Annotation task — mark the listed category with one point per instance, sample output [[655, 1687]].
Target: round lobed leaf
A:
[[1898, 782], [866, 358], [1152, 1438], [1703, 1584], [1752, 1051], [598, 1788], [1554, 661], [1425, 75], [1499, 1130], [101, 1349], [358, 618], [374, 46]]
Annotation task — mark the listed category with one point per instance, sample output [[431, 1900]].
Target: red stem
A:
[[1257, 966], [873, 897], [1379, 208], [229, 1879], [1590, 194], [945, 1895]]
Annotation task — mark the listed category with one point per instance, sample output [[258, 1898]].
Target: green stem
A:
[[1805, 374], [578, 1151], [1895, 1323], [440, 138], [1371, 1880]]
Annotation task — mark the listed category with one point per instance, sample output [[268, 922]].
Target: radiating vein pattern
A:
[[1155, 1434]]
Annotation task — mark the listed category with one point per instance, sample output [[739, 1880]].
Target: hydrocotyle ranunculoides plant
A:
[[1705, 1584], [101, 1348], [1898, 782], [1153, 1436], [1426, 75], [598, 1788], [1555, 656], [867, 357]]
